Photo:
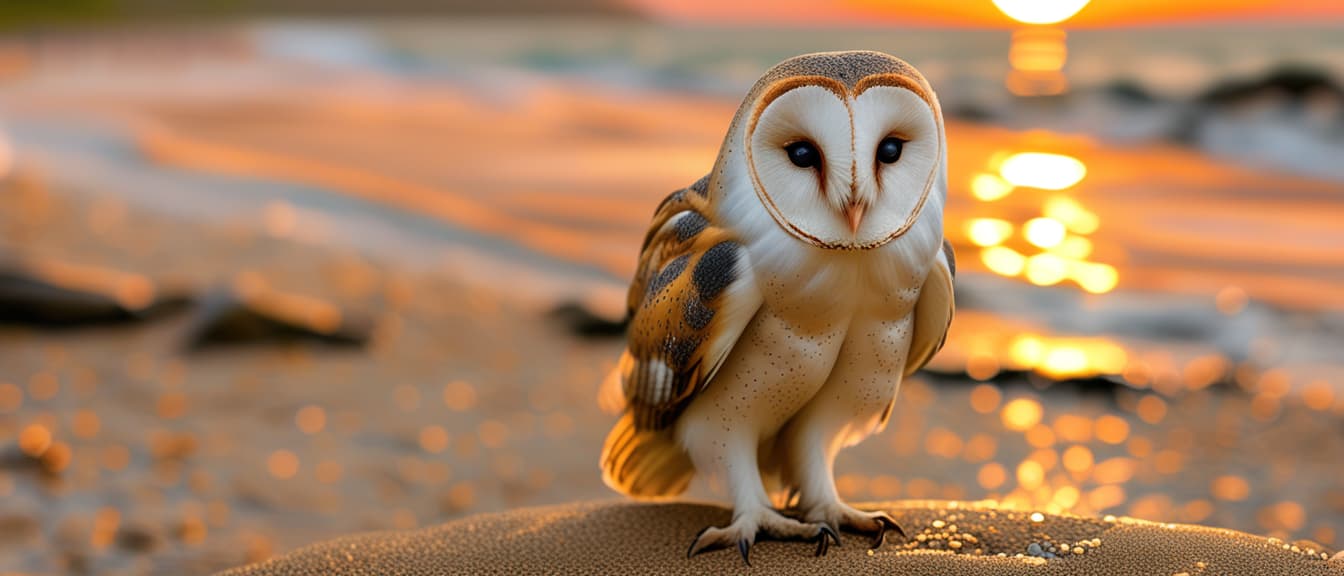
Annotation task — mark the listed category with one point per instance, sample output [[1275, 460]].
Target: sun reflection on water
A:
[[1059, 234]]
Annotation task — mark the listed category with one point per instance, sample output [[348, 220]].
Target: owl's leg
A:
[[753, 518], [813, 440]]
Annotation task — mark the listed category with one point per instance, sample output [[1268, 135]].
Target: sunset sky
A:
[[983, 13]]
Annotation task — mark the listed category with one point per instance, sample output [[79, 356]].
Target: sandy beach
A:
[[393, 198]]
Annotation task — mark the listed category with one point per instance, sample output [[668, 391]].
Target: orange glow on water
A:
[[1042, 170], [988, 231], [1003, 261], [990, 187], [1060, 232], [1044, 232]]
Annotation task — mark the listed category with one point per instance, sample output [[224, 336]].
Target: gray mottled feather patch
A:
[[715, 270], [696, 314], [700, 186], [689, 224], [670, 272], [680, 351]]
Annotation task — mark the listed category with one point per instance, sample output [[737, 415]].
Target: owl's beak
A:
[[854, 215]]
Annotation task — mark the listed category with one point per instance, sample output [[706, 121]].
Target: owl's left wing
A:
[[691, 298], [933, 311]]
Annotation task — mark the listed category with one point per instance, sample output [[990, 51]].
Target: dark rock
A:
[[971, 112], [578, 319], [137, 539], [1295, 82], [61, 295], [258, 315], [1129, 92]]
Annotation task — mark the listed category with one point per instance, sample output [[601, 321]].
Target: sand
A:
[[633, 538], [470, 399]]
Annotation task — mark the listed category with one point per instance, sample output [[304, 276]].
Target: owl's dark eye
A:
[[803, 154], [889, 149]]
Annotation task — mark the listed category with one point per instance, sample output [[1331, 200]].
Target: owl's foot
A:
[[765, 524], [841, 516]]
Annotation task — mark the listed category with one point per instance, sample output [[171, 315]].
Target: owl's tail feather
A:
[[645, 463]]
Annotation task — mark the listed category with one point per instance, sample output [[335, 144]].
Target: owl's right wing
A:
[[934, 310], [691, 298]]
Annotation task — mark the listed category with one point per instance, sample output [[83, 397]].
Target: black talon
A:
[[884, 523], [695, 541], [823, 545], [744, 548], [826, 530]]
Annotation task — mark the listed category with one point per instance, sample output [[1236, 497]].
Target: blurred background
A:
[[274, 271]]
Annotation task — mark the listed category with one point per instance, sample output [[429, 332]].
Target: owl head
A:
[[844, 150]]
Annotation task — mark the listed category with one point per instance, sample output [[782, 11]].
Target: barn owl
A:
[[779, 300]]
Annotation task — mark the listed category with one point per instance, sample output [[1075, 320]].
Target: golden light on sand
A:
[[282, 464], [985, 398], [988, 187], [34, 440], [1230, 488], [1021, 414], [1077, 458], [433, 439], [988, 231], [105, 523], [1152, 409], [1003, 261], [459, 396], [1040, 11], [1043, 232], [311, 419], [11, 397], [1042, 170], [1041, 436], [1066, 497], [991, 476], [86, 424], [1104, 497], [328, 472], [1074, 428], [1116, 470], [1112, 429], [1030, 474]]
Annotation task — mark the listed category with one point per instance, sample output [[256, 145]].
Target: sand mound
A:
[[946, 538]]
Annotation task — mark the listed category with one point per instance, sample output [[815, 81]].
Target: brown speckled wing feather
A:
[[933, 312], [691, 298]]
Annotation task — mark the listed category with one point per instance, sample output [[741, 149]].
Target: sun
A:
[[1040, 11]]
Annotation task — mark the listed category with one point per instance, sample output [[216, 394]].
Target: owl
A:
[[780, 299]]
